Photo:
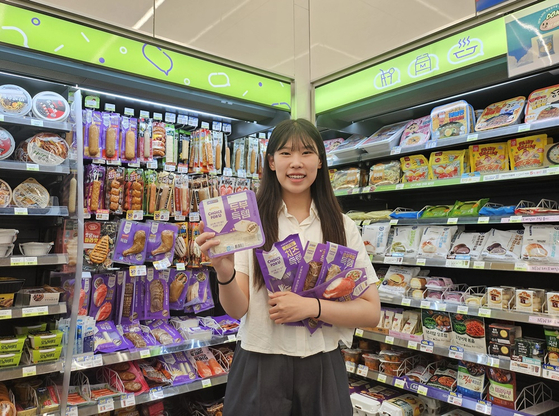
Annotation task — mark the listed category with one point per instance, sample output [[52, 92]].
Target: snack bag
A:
[[405, 242], [235, 220], [527, 152], [114, 189], [217, 147], [165, 184], [467, 209], [180, 368], [414, 168], [485, 158], [159, 138], [99, 239], [503, 245], [133, 190], [467, 246], [540, 243], [145, 145], [138, 335], [198, 287], [128, 140], [183, 150], [151, 194], [205, 362], [103, 296], [182, 250], [92, 135], [178, 287], [238, 157], [171, 145], [108, 339], [156, 295], [386, 173], [448, 164], [111, 133], [252, 157], [279, 265], [164, 333], [161, 241], [309, 269], [129, 313], [94, 187], [182, 195], [132, 380], [131, 243]]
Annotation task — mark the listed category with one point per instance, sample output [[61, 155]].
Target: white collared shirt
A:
[[258, 333]]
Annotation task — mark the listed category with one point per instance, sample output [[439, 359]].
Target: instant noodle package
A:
[[486, 158], [542, 104], [527, 152], [416, 132], [501, 114], [453, 119]]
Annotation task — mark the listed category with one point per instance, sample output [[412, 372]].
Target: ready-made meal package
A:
[[542, 104], [416, 132], [414, 168], [447, 164], [279, 265], [235, 220], [527, 152], [501, 114], [503, 245], [489, 158], [453, 119], [383, 139]]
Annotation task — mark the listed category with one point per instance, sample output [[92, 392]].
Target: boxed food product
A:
[[44, 354], [405, 405], [527, 152], [397, 279], [530, 300], [364, 405], [500, 297], [437, 327], [10, 359], [14, 100], [416, 132], [486, 158], [50, 106], [414, 168], [40, 296], [501, 114], [504, 350], [553, 303], [453, 119], [384, 139], [349, 179], [542, 104], [386, 173], [45, 339], [372, 361], [24, 330], [529, 347], [504, 333], [11, 344], [447, 164], [349, 147], [31, 194], [235, 220]]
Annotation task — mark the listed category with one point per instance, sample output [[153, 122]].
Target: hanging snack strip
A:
[[114, 188], [94, 181], [134, 189], [111, 132], [145, 145], [128, 139], [165, 183], [182, 195]]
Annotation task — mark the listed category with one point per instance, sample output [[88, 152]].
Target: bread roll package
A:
[[436, 241]]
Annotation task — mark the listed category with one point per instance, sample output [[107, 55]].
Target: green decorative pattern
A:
[[61, 38], [470, 47]]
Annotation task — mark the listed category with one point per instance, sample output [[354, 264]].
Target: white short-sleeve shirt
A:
[[258, 333]]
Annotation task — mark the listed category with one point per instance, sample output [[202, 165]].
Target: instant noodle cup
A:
[[449, 120], [5, 194], [527, 152], [416, 132], [50, 106], [501, 114]]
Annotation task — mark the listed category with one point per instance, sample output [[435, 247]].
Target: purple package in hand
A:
[[129, 314], [309, 269], [279, 265], [338, 258], [138, 336], [178, 286], [161, 241], [227, 324], [108, 339], [164, 333], [180, 367], [157, 295], [235, 220], [103, 294], [131, 244]]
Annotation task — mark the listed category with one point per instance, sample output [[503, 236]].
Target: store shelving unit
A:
[[46, 260], [31, 311], [30, 370], [14, 165], [54, 211], [36, 123]]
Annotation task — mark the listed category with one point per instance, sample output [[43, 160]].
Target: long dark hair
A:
[[302, 133]]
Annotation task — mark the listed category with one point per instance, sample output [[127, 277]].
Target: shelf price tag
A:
[[454, 399], [452, 221], [97, 361], [169, 167], [20, 211], [127, 400], [110, 107], [483, 220], [152, 164], [521, 267], [470, 179], [170, 118], [393, 260], [216, 125], [193, 121], [129, 111], [156, 393], [179, 217], [30, 261], [483, 407], [1, 117], [358, 332], [36, 311], [136, 215], [145, 353], [194, 217], [350, 367], [162, 264], [206, 383], [523, 127], [422, 390], [412, 345], [493, 362], [17, 261], [362, 370], [138, 270], [456, 352], [400, 186], [102, 215], [180, 266], [161, 215], [6, 314], [420, 262], [32, 167], [479, 265], [396, 150], [144, 114], [226, 128], [389, 340], [431, 144], [426, 346], [72, 411], [393, 222], [398, 382], [231, 338], [462, 309], [406, 302], [382, 378], [205, 125], [29, 371], [515, 219], [471, 137], [106, 405], [425, 304], [37, 123], [462, 264], [440, 306], [484, 312]]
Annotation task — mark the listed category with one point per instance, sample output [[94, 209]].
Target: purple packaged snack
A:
[[156, 300], [161, 241], [108, 339], [140, 293], [198, 285], [119, 293], [138, 335], [110, 134], [128, 140], [130, 247], [207, 304], [129, 314], [164, 333], [67, 281], [103, 294], [227, 324], [178, 286], [235, 220], [93, 135], [94, 187], [180, 367], [309, 268], [279, 265], [338, 258]]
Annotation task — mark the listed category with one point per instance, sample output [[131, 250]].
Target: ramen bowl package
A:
[[405, 242], [541, 243], [436, 241], [103, 293], [416, 132], [235, 221], [503, 245], [453, 119], [501, 114], [375, 237], [309, 269], [156, 295], [467, 245], [14, 100], [447, 164], [414, 168], [542, 104], [279, 265], [130, 247], [161, 241], [527, 152], [487, 158], [385, 138]]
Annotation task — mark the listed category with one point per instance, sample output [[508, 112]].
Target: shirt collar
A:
[[313, 211]]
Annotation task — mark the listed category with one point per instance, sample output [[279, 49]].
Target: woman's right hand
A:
[[223, 265]]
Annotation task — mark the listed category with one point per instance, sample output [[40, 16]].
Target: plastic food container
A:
[[10, 359], [8, 235], [453, 119], [390, 367], [47, 149], [5, 194], [541, 105], [349, 148], [14, 100], [364, 406], [6, 250], [35, 249], [351, 355], [416, 132], [45, 339], [384, 139], [50, 106], [44, 354], [7, 144], [372, 361], [501, 114], [31, 194], [393, 356], [24, 330], [12, 343]]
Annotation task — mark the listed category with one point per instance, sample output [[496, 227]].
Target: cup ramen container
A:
[[35, 249], [8, 236], [50, 106], [7, 144], [372, 361], [6, 250], [351, 355], [5, 194], [14, 100]]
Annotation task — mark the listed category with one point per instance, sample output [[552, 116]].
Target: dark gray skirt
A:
[[281, 385]]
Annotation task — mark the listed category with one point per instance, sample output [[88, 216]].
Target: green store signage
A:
[[470, 47], [58, 37]]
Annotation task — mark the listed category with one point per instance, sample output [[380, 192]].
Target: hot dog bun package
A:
[[235, 220]]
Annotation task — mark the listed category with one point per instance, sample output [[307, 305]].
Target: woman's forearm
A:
[[234, 296], [361, 312]]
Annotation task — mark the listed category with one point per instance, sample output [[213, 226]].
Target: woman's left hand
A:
[[290, 307]]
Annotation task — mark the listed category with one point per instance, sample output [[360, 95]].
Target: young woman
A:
[[282, 369]]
